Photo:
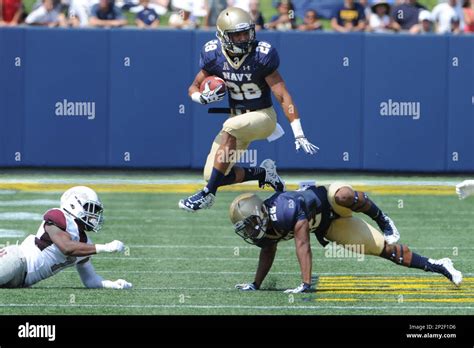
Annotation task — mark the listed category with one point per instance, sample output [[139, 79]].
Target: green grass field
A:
[[183, 263]]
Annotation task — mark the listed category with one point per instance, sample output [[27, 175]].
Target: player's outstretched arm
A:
[[92, 280], [278, 87], [265, 262], [303, 249], [69, 247]]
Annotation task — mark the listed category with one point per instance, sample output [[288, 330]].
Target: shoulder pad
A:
[[56, 217]]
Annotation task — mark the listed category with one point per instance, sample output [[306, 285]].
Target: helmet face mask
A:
[[252, 229], [231, 22], [83, 204], [250, 218]]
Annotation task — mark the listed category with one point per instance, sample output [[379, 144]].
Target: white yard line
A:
[[11, 233], [165, 246], [21, 216], [184, 306], [274, 273]]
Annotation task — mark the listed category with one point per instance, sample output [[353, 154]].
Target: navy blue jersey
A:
[[246, 80], [148, 16], [285, 209]]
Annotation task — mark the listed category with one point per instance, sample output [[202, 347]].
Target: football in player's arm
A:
[[250, 69], [61, 242], [327, 212]]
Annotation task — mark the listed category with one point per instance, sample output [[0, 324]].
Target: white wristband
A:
[[196, 97], [101, 248], [296, 127]]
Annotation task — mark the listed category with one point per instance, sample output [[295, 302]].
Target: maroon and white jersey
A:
[[43, 257]]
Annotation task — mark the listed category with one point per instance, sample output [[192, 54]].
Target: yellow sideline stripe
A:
[[387, 289], [189, 188], [394, 300]]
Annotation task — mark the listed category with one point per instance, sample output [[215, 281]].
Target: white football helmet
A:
[[83, 204]]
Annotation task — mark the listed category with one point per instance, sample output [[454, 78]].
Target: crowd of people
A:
[[378, 16]]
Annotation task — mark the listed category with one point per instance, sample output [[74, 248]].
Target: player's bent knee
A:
[[344, 197], [397, 253]]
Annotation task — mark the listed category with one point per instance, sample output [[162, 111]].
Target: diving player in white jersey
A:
[[61, 242]]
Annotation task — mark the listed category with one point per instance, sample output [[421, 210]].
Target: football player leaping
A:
[[249, 68], [327, 212], [61, 242]]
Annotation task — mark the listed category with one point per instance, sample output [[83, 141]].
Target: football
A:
[[215, 82]]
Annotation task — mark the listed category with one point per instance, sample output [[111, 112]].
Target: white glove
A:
[[465, 189], [309, 148], [302, 288], [119, 284], [112, 247], [207, 96], [247, 287]]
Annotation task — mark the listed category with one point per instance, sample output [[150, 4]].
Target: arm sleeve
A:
[[89, 277]]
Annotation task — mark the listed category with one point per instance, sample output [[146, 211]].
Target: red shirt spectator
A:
[[10, 11], [468, 9]]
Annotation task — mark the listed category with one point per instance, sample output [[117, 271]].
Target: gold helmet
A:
[[250, 217], [231, 21]]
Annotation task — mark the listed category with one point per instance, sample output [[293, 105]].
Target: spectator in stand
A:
[[11, 12], [181, 17], [214, 7], [367, 9], [80, 11], [349, 17], [46, 15], [311, 21], [243, 4], [468, 10], [443, 15], [256, 15], [105, 14], [380, 20], [406, 14], [147, 17], [160, 6], [456, 26], [425, 23], [199, 11], [285, 19]]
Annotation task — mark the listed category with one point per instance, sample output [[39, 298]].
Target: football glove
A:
[[247, 287], [112, 247], [304, 287], [119, 284], [302, 142], [208, 96]]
